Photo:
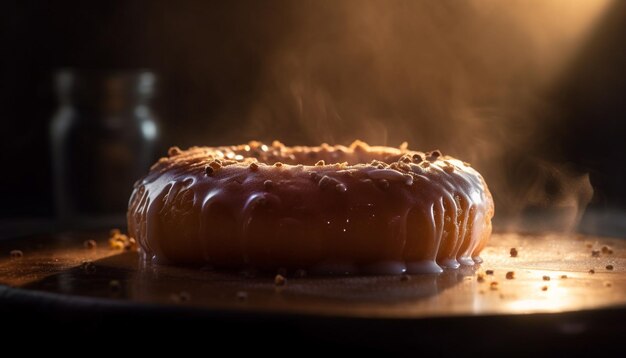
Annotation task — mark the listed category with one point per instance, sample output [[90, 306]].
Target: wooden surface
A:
[[56, 264]]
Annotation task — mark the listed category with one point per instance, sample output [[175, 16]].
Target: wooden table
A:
[[552, 294]]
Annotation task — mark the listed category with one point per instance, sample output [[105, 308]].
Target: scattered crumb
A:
[[242, 295], [300, 273], [510, 275], [609, 267], [88, 267], [115, 286], [480, 277], [513, 252], [90, 244], [544, 288], [563, 277], [16, 254], [254, 166], [493, 285], [595, 253], [606, 250], [547, 278], [592, 271], [119, 241], [489, 272], [280, 280]]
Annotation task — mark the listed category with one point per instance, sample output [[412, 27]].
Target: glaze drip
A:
[[331, 209]]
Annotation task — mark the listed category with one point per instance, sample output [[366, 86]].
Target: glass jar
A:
[[104, 136]]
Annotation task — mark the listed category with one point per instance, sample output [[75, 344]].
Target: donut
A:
[[328, 209]]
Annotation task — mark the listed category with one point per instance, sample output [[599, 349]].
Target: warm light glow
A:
[[555, 299], [556, 29]]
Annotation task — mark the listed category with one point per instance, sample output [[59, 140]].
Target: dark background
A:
[[300, 72]]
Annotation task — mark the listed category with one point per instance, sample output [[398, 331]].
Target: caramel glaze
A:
[[377, 210]]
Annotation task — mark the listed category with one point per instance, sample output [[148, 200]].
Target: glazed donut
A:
[[329, 209]]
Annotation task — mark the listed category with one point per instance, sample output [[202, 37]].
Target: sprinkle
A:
[[320, 163], [595, 253], [609, 267], [280, 280], [341, 188], [513, 252], [417, 158], [544, 288], [90, 244], [174, 151], [278, 164], [449, 169], [209, 171], [253, 166], [16, 254], [546, 278], [563, 277], [480, 277], [510, 275], [434, 155], [489, 272], [216, 164]]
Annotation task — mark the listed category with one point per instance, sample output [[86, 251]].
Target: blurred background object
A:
[[530, 92], [104, 136]]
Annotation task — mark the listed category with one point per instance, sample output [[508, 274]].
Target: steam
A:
[[467, 77]]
